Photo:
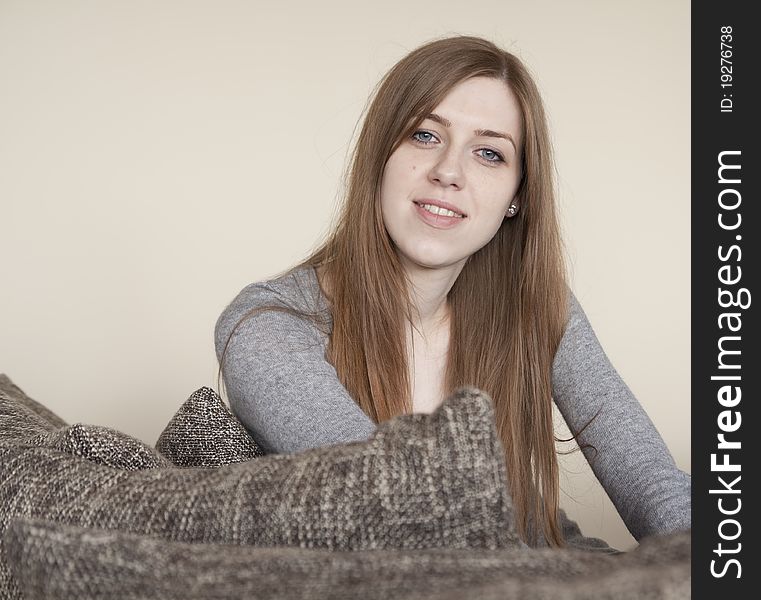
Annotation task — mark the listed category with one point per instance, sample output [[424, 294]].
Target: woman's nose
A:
[[447, 170]]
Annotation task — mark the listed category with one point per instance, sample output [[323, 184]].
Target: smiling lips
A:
[[439, 207], [438, 214]]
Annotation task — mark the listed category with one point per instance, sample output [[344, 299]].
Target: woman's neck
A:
[[429, 289]]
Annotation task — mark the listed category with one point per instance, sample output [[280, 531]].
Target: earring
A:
[[512, 210]]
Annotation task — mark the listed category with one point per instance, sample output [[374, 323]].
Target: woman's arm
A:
[[278, 381], [632, 462]]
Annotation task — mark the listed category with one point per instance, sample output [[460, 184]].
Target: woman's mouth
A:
[[437, 216]]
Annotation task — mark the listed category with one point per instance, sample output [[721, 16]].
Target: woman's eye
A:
[[491, 155], [424, 137], [428, 138]]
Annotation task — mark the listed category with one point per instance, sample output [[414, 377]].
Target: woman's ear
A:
[[512, 210]]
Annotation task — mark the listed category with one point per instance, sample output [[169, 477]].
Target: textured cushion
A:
[[37, 418], [421, 481], [204, 433], [101, 445], [27, 426], [25, 423], [54, 561]]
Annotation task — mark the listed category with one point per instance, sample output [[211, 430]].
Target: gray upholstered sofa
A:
[[420, 510]]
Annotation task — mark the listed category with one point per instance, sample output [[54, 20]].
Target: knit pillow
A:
[[101, 445], [27, 423], [420, 481], [55, 561], [204, 433], [37, 418]]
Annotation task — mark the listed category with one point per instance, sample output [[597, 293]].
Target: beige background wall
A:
[[155, 157]]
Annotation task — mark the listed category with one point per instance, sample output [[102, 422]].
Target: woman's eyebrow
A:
[[478, 132]]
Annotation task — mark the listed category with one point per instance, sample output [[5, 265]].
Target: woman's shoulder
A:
[[576, 321], [578, 344], [295, 290]]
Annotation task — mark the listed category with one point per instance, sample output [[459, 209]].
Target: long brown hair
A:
[[508, 306]]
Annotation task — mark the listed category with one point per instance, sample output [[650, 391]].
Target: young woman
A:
[[445, 269]]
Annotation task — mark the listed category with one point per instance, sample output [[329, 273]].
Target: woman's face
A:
[[464, 157]]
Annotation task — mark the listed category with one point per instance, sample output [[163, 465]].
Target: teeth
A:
[[437, 210]]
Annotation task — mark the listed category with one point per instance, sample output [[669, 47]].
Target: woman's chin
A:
[[433, 263]]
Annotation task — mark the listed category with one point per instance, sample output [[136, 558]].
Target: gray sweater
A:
[[288, 395]]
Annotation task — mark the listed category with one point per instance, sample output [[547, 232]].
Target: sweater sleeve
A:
[[278, 381], [627, 454]]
